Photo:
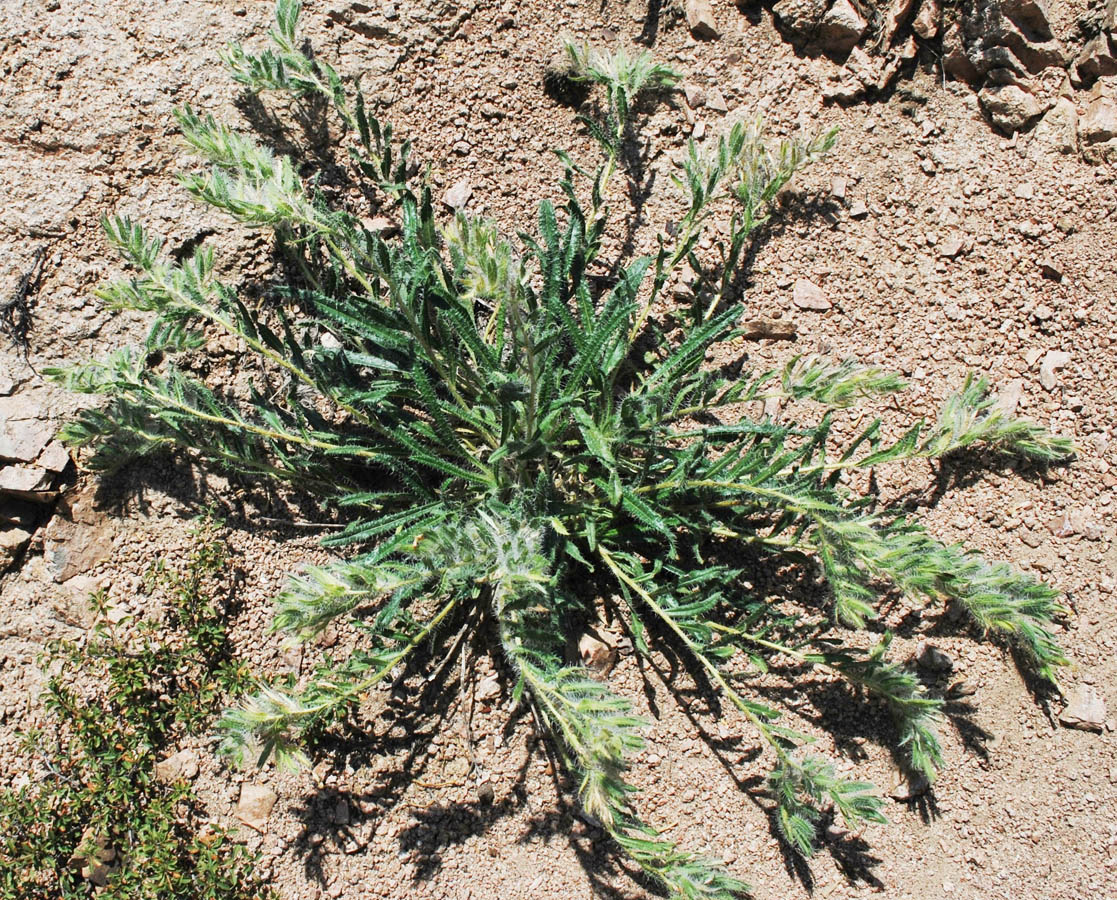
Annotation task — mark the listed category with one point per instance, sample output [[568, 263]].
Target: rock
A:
[[765, 329], [93, 857], [932, 659], [927, 20], [1100, 121], [485, 794], [54, 458], [181, 766], [955, 61], [1097, 60], [78, 536], [1058, 129], [458, 196], [1009, 397], [23, 432], [800, 18], [488, 688], [838, 185], [255, 805], [1053, 360], [25, 481], [700, 19], [1010, 107], [715, 100], [858, 210], [596, 654], [951, 247], [12, 542], [908, 789], [808, 295], [840, 28], [1086, 711], [898, 12], [1050, 269], [1010, 34], [695, 96]]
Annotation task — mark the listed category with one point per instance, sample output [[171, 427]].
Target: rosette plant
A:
[[512, 435]]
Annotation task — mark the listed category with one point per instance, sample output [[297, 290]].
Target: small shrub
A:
[[504, 437], [96, 815]]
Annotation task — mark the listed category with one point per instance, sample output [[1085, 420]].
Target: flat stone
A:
[[180, 766], [458, 195], [596, 654], [858, 210], [951, 247], [1053, 360], [24, 481], [715, 100], [255, 805], [808, 295], [23, 432], [1086, 711], [54, 458]]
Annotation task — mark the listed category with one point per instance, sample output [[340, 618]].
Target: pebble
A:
[[808, 295], [458, 195]]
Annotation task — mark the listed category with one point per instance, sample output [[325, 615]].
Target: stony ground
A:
[[932, 244]]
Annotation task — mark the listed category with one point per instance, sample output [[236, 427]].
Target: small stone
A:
[[596, 654], [932, 659], [910, 788], [1010, 107], [858, 210], [181, 766], [255, 805], [695, 96], [1050, 268], [715, 100], [951, 247], [1058, 129], [1086, 711], [12, 542], [341, 812], [838, 186], [926, 21], [808, 295], [700, 19], [1100, 121], [841, 28], [1053, 360], [458, 196], [55, 458], [486, 795], [1010, 396], [1043, 312], [488, 688]]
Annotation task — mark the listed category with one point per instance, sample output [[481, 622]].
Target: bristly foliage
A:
[[501, 434]]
